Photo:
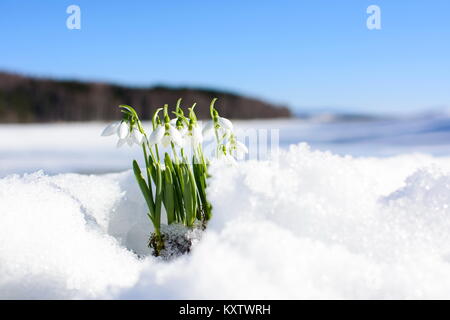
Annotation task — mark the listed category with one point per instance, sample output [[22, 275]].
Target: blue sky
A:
[[314, 54]]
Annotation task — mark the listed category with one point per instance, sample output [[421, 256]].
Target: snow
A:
[[53, 240], [308, 224]]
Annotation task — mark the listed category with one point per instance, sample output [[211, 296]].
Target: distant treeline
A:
[[26, 99]]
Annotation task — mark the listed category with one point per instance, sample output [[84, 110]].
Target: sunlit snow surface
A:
[[310, 224]]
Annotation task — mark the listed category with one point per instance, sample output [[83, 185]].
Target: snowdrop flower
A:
[[226, 157], [225, 123], [166, 134], [223, 126], [194, 137], [156, 136], [172, 135], [173, 122], [207, 129], [137, 136], [233, 148], [126, 134], [122, 142], [129, 135], [238, 148]]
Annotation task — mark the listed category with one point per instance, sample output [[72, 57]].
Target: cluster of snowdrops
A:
[[176, 167]]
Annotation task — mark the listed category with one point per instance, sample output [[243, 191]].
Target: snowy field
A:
[[373, 224]]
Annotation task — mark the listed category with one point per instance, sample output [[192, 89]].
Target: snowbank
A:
[[312, 225]]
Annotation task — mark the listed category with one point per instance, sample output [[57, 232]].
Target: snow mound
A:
[[310, 225], [54, 241]]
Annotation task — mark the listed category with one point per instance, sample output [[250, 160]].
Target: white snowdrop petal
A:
[[130, 141], [124, 130], [197, 135], [187, 142], [138, 137], [121, 142], [111, 129], [166, 141], [231, 160], [207, 130], [224, 133], [184, 131], [175, 136], [156, 135], [208, 127], [225, 123]]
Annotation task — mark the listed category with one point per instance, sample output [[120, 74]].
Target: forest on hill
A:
[[28, 99]]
